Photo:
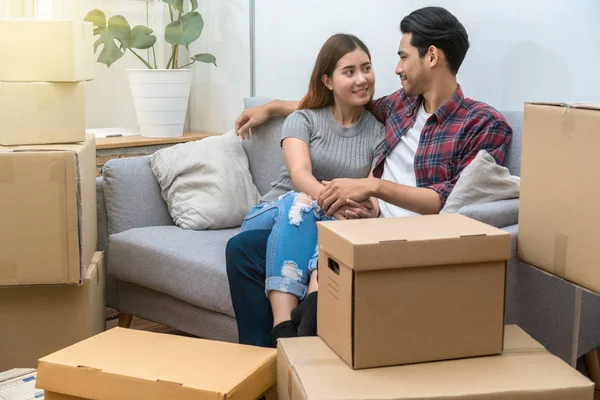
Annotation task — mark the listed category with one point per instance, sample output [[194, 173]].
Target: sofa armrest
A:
[[499, 213], [102, 243], [132, 195]]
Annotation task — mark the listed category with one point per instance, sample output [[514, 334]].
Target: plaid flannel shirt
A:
[[450, 140]]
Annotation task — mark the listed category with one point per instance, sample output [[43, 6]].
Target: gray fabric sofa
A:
[[177, 277]]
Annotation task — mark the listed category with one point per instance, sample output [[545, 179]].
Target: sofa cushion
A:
[[206, 183], [132, 195], [482, 181], [188, 265], [263, 149]]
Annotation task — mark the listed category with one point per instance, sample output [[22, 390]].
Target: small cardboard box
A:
[[309, 370], [42, 50], [47, 213], [43, 319], [406, 290], [42, 113], [559, 223], [127, 364]]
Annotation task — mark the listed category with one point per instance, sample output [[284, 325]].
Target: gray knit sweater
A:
[[335, 151]]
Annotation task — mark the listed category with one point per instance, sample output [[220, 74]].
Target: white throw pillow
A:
[[482, 181], [206, 183]]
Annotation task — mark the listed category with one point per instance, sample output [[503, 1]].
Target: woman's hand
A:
[[355, 210], [251, 118]]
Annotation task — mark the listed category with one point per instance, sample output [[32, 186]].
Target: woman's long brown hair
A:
[[336, 47]]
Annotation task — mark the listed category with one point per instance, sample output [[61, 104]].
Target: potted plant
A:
[[160, 94]]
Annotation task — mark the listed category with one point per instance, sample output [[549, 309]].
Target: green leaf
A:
[[177, 4], [96, 17], [205, 58], [185, 31], [116, 29], [141, 38]]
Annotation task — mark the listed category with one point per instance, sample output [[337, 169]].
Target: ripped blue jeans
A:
[[292, 248]]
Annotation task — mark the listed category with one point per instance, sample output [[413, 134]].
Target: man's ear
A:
[[433, 56], [327, 82]]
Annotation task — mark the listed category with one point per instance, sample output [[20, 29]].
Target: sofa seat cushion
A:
[[188, 265]]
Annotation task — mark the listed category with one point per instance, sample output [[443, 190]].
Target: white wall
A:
[[217, 94], [521, 50]]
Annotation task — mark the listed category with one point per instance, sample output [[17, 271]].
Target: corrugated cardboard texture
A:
[[309, 370], [271, 394], [58, 50], [381, 243], [58, 396], [43, 319], [130, 364], [41, 113], [48, 203], [559, 227], [390, 316]]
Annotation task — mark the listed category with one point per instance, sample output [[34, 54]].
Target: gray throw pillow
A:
[[482, 181], [206, 184]]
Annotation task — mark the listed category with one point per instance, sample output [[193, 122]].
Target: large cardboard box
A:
[[39, 50], [559, 223], [39, 320], [130, 364], [47, 213], [309, 370], [42, 113], [405, 290]]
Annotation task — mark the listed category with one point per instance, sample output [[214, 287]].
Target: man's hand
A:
[[251, 118], [337, 193]]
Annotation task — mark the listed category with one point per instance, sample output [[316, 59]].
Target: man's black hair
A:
[[436, 26]]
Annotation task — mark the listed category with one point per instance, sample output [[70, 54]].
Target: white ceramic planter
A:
[[161, 98]]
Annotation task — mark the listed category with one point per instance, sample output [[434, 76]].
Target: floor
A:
[[112, 320]]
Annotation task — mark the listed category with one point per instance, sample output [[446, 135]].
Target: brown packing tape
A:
[[9, 273], [60, 173], [568, 121], [70, 223], [7, 168], [561, 243], [78, 196]]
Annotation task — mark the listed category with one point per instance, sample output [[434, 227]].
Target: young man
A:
[[432, 133]]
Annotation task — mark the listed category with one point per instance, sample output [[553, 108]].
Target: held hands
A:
[[345, 192], [354, 210], [249, 119]]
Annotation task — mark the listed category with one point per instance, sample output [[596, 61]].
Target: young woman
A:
[[332, 135]]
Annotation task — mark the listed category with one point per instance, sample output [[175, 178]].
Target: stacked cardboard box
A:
[[559, 222], [309, 370], [413, 308], [406, 290], [51, 280]]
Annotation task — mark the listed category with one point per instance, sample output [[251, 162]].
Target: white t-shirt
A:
[[399, 165]]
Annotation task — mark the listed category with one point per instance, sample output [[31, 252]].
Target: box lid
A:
[[586, 106], [383, 243], [525, 371], [131, 364]]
